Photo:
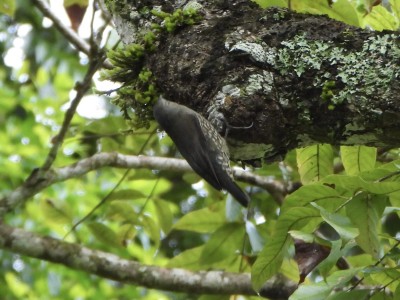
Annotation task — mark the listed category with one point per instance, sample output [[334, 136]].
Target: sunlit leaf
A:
[[188, 259], [164, 214], [205, 220], [380, 19], [272, 3], [357, 159], [314, 162], [7, 7], [18, 288], [318, 193], [152, 229], [341, 10], [55, 212]]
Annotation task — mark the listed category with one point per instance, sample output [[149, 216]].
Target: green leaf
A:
[[383, 276], [352, 184], [152, 229], [341, 10], [17, 286], [125, 233], [350, 295], [357, 159], [395, 6], [314, 162], [321, 290], [311, 292], [164, 214], [57, 213], [396, 294], [122, 211], [365, 211], [225, 241], [318, 193], [104, 234], [7, 7], [379, 18], [270, 258], [130, 194], [328, 263], [341, 224], [188, 259], [271, 3], [204, 220]]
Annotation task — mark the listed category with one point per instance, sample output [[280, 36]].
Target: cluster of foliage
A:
[[171, 219]]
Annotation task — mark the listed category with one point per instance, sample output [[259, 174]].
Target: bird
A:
[[200, 144]]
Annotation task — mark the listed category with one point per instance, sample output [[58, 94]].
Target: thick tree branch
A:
[[110, 266], [40, 179], [300, 79]]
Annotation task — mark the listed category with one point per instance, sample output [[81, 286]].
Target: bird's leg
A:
[[229, 127]]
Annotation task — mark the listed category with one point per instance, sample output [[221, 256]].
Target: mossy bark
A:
[[298, 79]]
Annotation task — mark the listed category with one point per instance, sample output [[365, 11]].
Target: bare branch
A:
[[110, 266], [81, 89], [40, 179], [70, 34]]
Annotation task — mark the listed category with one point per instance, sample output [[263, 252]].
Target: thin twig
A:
[[111, 192], [376, 264], [70, 34], [82, 88]]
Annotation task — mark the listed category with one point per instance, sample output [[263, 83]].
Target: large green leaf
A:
[[314, 162], [351, 295], [379, 18], [270, 258], [225, 241], [205, 220], [395, 6], [340, 223], [357, 159], [318, 193], [273, 3], [188, 259], [55, 212], [341, 10], [365, 211], [352, 184]]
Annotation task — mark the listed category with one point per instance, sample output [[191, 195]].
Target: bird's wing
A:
[[197, 151]]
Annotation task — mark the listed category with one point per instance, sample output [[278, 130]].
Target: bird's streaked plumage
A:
[[200, 144]]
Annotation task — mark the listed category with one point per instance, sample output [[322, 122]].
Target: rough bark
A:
[[110, 266], [298, 79]]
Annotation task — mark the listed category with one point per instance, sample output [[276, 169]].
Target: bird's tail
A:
[[239, 194]]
